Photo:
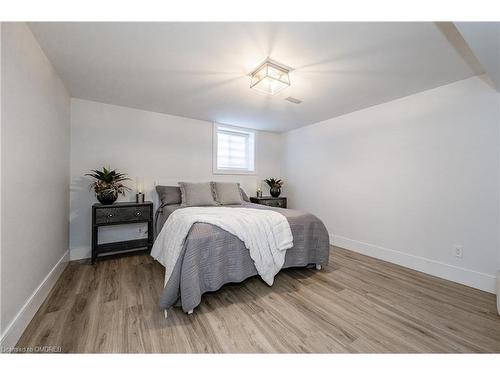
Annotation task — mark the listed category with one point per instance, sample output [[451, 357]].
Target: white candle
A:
[[140, 185]]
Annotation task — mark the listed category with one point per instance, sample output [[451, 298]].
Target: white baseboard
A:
[[446, 271], [15, 329], [82, 252]]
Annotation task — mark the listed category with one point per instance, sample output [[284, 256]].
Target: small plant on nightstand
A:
[[108, 184], [275, 186]]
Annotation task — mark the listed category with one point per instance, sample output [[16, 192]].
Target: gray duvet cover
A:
[[212, 257]]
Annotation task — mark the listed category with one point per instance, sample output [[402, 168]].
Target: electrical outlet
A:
[[458, 251]]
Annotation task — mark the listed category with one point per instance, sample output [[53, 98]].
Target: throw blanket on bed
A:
[[266, 234]]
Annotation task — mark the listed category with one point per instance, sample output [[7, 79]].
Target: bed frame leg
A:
[[318, 267], [166, 313], [190, 312]]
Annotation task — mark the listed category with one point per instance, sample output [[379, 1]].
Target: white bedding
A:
[[266, 234]]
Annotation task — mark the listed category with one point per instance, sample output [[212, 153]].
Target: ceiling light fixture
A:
[[270, 78]]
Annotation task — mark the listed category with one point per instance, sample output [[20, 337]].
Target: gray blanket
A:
[[212, 257]]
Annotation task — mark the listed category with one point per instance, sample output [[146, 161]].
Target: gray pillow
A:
[[244, 195], [228, 193], [197, 194], [169, 194]]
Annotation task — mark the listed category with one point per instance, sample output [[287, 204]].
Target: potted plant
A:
[[275, 186], [108, 184]]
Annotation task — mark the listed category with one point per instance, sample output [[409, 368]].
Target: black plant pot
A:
[[106, 197], [275, 192]]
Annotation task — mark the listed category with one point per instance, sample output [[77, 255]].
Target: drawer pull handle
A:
[[138, 213], [110, 215]]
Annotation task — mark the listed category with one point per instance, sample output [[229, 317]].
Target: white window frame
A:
[[251, 152]]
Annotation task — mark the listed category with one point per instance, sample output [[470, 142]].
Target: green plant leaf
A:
[[108, 180]]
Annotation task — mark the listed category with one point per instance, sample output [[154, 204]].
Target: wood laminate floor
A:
[[357, 304]]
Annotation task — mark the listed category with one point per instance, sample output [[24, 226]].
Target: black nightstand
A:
[[270, 201], [119, 214]]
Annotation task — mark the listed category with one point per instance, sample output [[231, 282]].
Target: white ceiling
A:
[[200, 70], [484, 40]]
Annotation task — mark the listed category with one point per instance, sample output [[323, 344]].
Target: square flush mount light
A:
[[270, 78]]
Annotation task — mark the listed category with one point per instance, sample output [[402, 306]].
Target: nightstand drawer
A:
[[111, 215], [273, 202], [268, 201]]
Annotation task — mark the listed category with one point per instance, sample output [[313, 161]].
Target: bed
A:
[[212, 257]]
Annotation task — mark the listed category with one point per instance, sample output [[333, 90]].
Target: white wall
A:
[[498, 266], [35, 175], [1, 69], [407, 180], [151, 145]]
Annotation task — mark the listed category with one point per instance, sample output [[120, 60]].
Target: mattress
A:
[[212, 257]]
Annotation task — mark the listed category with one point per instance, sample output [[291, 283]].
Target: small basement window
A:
[[234, 150]]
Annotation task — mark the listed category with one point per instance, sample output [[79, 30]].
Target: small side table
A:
[[270, 201], [119, 214]]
